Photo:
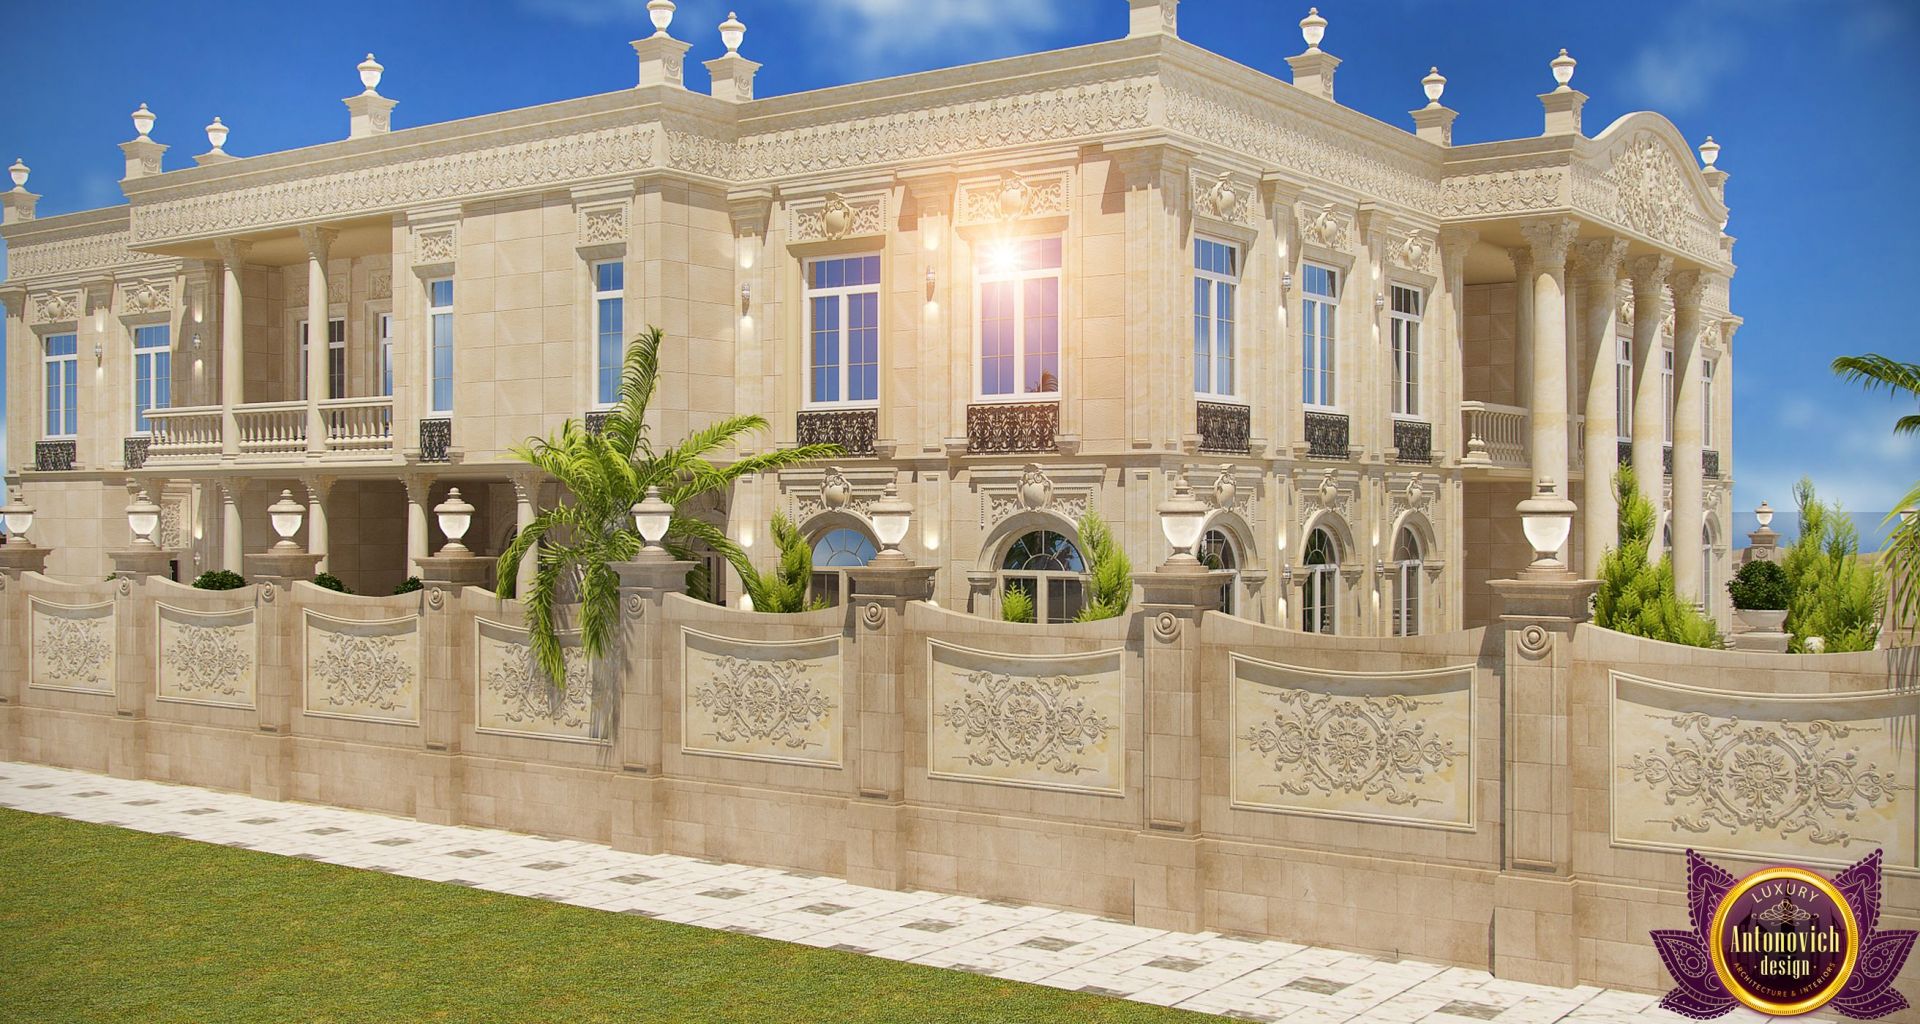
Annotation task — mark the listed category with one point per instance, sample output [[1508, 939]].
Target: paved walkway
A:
[[1240, 978]]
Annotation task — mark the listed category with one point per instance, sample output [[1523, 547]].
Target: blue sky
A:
[[1817, 106]]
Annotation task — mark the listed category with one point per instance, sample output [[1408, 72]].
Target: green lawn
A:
[[103, 924]]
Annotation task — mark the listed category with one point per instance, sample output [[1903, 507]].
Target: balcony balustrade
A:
[[184, 433], [356, 427], [358, 424], [272, 428], [1225, 429], [1501, 431], [1327, 436]]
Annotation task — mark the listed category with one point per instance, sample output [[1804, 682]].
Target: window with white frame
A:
[[1706, 403], [62, 372], [609, 323], [836, 551], [1018, 340], [440, 344], [1048, 569], [152, 372], [1216, 552], [336, 359], [1407, 565], [1403, 322], [1319, 324], [1706, 567], [1319, 593], [1623, 388], [1216, 273], [1666, 393], [843, 330], [383, 326]]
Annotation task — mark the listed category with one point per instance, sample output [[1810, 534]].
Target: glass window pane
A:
[[863, 346], [609, 276], [442, 399], [826, 348], [1202, 344], [996, 338], [1042, 335], [440, 293]]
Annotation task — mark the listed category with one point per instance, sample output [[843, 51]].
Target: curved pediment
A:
[[1641, 174]]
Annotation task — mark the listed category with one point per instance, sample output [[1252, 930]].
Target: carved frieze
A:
[[837, 216], [1390, 746], [67, 255], [71, 647], [206, 657], [1013, 197], [513, 697], [54, 307], [1035, 491], [1047, 722], [482, 170], [780, 700], [1501, 192], [363, 670]]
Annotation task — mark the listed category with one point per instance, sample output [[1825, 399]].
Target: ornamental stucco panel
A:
[[1395, 747], [206, 657], [1042, 721], [71, 646], [513, 697], [777, 700], [368, 671], [1822, 780]]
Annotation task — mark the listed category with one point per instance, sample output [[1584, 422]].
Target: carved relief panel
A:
[[206, 657], [1014, 196], [369, 671], [71, 647], [1045, 722], [835, 216], [513, 697], [779, 700]]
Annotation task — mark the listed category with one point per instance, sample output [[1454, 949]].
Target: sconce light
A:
[[746, 295], [1286, 575], [285, 515], [99, 354], [455, 515], [931, 280], [1286, 281], [196, 341], [1380, 302], [1380, 569]]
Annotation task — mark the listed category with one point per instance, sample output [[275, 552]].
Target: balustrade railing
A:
[[183, 432], [358, 424], [1501, 431], [272, 428]]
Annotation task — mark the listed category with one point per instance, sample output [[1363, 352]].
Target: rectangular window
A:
[[609, 325], [384, 325], [1019, 349], [440, 344], [152, 372], [1404, 324], [336, 359], [1216, 271], [63, 385], [1706, 405], [1319, 322], [1623, 389], [843, 330], [1666, 392]]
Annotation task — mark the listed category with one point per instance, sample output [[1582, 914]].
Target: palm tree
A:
[[1901, 553], [605, 473]]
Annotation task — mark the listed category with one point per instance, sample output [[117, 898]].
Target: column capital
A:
[[1601, 257], [526, 484], [1522, 258], [1549, 239], [1649, 274], [318, 240], [317, 485], [1689, 286], [233, 251], [418, 488]]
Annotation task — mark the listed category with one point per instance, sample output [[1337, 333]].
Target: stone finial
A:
[[217, 138], [1563, 71], [1434, 122], [660, 12], [369, 113], [1313, 69], [370, 72], [19, 172], [1153, 18], [732, 74]]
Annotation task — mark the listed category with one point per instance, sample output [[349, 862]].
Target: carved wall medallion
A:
[[1033, 492], [55, 307], [513, 697], [1392, 745], [835, 490], [762, 700], [1325, 226], [1414, 251], [1051, 722], [146, 297], [439, 245], [72, 646], [1786, 776], [1014, 197], [1219, 197], [363, 670], [837, 216], [380, 284], [206, 657]]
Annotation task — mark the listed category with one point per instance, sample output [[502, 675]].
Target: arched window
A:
[[1216, 552], [833, 551], [1321, 590], [1406, 591], [1706, 568], [1048, 568]]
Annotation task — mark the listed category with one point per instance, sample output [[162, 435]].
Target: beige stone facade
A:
[[1517, 266]]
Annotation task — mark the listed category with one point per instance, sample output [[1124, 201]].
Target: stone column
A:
[[318, 241], [1547, 407], [134, 668], [1455, 243], [438, 781], [232, 530], [417, 489], [932, 194], [1689, 512], [1522, 324], [526, 491], [279, 625], [317, 490], [637, 663], [233, 344], [877, 599], [1533, 905], [1600, 525], [1167, 884], [1649, 275]]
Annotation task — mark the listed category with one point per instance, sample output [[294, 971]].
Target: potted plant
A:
[[1761, 593]]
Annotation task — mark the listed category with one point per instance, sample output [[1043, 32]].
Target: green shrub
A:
[[1637, 596], [1760, 586], [219, 579], [1016, 605], [1111, 573], [784, 590], [328, 581], [412, 584], [1836, 595]]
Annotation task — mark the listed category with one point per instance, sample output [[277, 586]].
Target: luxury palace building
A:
[[1018, 290]]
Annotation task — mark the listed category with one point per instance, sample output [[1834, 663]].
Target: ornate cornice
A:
[[26, 260]]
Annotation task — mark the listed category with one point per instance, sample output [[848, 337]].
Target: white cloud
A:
[[1700, 43]]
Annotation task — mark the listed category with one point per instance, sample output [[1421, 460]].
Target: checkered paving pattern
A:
[[1239, 978]]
